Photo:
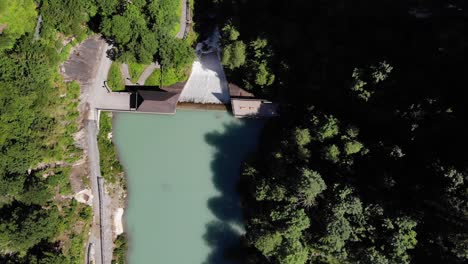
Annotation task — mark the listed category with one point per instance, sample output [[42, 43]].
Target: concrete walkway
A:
[[99, 96]]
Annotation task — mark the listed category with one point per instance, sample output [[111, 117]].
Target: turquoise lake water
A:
[[182, 171]]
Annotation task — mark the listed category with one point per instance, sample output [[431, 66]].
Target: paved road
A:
[[97, 97], [142, 78], [93, 162], [101, 235]]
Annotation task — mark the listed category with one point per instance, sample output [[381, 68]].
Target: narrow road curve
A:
[[142, 79], [147, 73]]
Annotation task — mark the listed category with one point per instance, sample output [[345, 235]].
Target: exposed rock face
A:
[[118, 226], [84, 196]]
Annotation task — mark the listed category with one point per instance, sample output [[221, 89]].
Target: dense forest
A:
[[144, 32], [40, 222], [367, 163]]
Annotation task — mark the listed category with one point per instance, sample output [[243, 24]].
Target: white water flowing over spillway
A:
[[207, 83]]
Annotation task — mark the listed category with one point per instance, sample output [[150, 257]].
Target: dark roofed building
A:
[[237, 92], [160, 101]]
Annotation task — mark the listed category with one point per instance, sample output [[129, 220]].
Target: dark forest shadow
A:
[[203, 18], [111, 53], [220, 97], [224, 242], [210, 61], [232, 147]]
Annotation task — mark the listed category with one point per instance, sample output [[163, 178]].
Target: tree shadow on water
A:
[[224, 242], [232, 145]]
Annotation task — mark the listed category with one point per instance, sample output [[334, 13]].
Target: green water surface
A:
[[182, 171]]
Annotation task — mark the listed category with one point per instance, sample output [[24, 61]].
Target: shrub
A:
[[331, 153], [170, 77], [352, 147]]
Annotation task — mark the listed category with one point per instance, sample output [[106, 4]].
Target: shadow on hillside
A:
[[232, 146]]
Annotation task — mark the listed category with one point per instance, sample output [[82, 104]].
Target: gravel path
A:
[[126, 74], [94, 171], [101, 235], [144, 75], [147, 73]]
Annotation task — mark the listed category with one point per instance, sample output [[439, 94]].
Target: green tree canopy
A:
[[234, 55], [17, 17]]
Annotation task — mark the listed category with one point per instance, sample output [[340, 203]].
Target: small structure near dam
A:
[[152, 99], [245, 105], [161, 101], [257, 108]]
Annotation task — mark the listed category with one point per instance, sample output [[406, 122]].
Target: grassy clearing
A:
[[136, 69], [111, 169], [115, 80], [170, 77]]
